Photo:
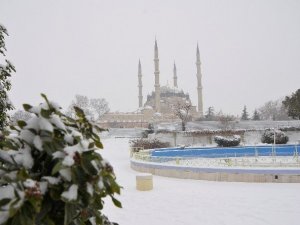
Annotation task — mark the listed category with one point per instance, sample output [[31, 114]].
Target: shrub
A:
[[149, 130], [280, 137], [227, 142], [148, 144], [50, 172]]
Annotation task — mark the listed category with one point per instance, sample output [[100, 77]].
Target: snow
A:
[[22, 157], [68, 161], [51, 180], [33, 123], [29, 183], [100, 184], [27, 136], [11, 175], [45, 125], [70, 152], [7, 192], [25, 158], [4, 155], [55, 119], [43, 187], [69, 139], [66, 174], [177, 201], [55, 105], [39, 123], [37, 141], [71, 194], [90, 189], [58, 154]]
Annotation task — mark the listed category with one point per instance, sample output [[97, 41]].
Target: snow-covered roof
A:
[[169, 89]]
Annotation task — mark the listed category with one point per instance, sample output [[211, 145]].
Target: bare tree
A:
[[182, 112], [273, 110], [82, 102], [226, 121], [93, 108], [100, 106]]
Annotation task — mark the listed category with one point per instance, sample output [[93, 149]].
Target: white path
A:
[[193, 202]]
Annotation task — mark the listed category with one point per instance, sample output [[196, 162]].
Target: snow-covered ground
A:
[[193, 202]]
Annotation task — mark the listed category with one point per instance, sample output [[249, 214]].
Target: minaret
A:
[[199, 86], [175, 76], [140, 85], [156, 73]]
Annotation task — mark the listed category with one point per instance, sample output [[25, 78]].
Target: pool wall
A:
[[219, 174]]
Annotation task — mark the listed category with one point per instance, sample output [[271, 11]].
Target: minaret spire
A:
[[199, 84], [156, 73], [175, 75], [140, 85]]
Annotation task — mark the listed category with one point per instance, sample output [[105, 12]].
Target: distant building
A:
[[159, 106]]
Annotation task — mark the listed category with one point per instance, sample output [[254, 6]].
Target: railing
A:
[[210, 160]]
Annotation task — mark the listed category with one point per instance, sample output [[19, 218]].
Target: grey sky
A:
[[250, 50]]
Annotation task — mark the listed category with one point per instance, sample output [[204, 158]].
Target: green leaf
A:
[[91, 145], [86, 159], [21, 123], [4, 201], [55, 193], [99, 144], [116, 202], [58, 166], [45, 113], [79, 111], [114, 186], [22, 174], [27, 107], [46, 99], [70, 213], [78, 175]]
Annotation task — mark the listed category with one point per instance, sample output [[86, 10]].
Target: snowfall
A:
[[192, 202]]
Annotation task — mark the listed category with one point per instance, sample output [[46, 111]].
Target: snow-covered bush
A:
[[227, 142], [148, 143], [50, 172], [280, 137]]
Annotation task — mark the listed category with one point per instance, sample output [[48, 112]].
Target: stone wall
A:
[[247, 138]]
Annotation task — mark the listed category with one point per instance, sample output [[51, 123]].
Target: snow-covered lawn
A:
[[192, 202]]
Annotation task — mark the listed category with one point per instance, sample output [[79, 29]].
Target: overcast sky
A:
[[250, 50]]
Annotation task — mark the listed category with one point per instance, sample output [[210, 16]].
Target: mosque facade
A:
[[159, 105]]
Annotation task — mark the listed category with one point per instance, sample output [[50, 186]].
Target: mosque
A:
[[159, 105]]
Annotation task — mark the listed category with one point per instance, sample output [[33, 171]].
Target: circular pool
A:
[[264, 163]]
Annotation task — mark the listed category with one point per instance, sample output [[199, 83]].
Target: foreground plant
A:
[[51, 173]]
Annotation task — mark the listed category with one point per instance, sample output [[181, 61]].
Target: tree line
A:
[[281, 109]]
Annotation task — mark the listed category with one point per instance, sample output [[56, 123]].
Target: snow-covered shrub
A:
[[148, 143], [227, 142], [280, 137], [50, 172]]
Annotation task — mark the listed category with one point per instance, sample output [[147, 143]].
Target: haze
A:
[[250, 50]]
